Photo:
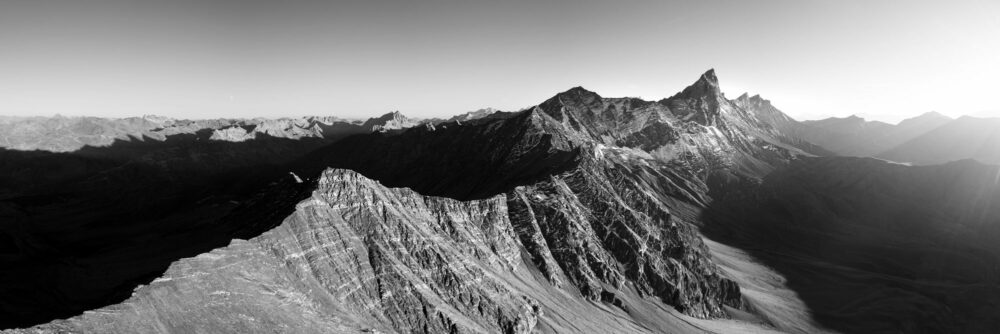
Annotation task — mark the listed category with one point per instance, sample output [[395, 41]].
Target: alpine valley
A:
[[582, 214]]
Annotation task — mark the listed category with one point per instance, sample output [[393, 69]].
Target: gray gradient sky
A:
[[883, 60]]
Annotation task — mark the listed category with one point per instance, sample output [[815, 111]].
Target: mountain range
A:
[[581, 214]]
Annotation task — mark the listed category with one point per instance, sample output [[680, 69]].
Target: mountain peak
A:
[[933, 114], [393, 115], [390, 121], [707, 85], [574, 96], [709, 76], [578, 91]]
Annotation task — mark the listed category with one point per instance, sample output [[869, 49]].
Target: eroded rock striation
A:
[[354, 256], [576, 215]]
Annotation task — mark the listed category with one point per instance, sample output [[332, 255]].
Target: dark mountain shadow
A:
[[82, 230], [874, 247], [468, 160]]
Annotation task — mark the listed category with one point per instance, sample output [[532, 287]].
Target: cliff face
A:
[[577, 215], [602, 230], [698, 127], [356, 256], [594, 219], [353, 256]]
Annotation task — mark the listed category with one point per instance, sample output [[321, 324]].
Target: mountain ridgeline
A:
[[694, 213]]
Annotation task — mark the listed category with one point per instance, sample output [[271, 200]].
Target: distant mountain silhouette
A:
[[964, 138], [854, 136]]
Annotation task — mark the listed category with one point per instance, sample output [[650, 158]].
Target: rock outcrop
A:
[[391, 121], [355, 256]]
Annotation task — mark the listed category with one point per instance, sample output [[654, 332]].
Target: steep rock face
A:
[[698, 126], [355, 256], [701, 102], [603, 228], [603, 192], [391, 121], [595, 218], [782, 127], [614, 202]]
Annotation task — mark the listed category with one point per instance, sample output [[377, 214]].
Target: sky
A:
[[882, 60]]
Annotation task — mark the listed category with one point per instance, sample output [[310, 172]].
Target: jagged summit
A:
[[390, 121], [709, 76], [576, 98], [576, 95], [756, 98], [480, 113], [707, 85], [701, 102]]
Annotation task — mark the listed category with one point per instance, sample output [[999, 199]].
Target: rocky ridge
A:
[[588, 202]]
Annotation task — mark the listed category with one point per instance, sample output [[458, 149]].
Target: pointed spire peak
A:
[[389, 121], [710, 77], [707, 85], [744, 96]]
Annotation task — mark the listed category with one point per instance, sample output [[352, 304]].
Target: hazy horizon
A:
[[358, 59]]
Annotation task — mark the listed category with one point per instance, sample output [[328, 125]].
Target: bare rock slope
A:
[[576, 215]]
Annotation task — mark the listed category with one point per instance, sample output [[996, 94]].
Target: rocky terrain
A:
[[82, 228], [694, 213], [566, 168]]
